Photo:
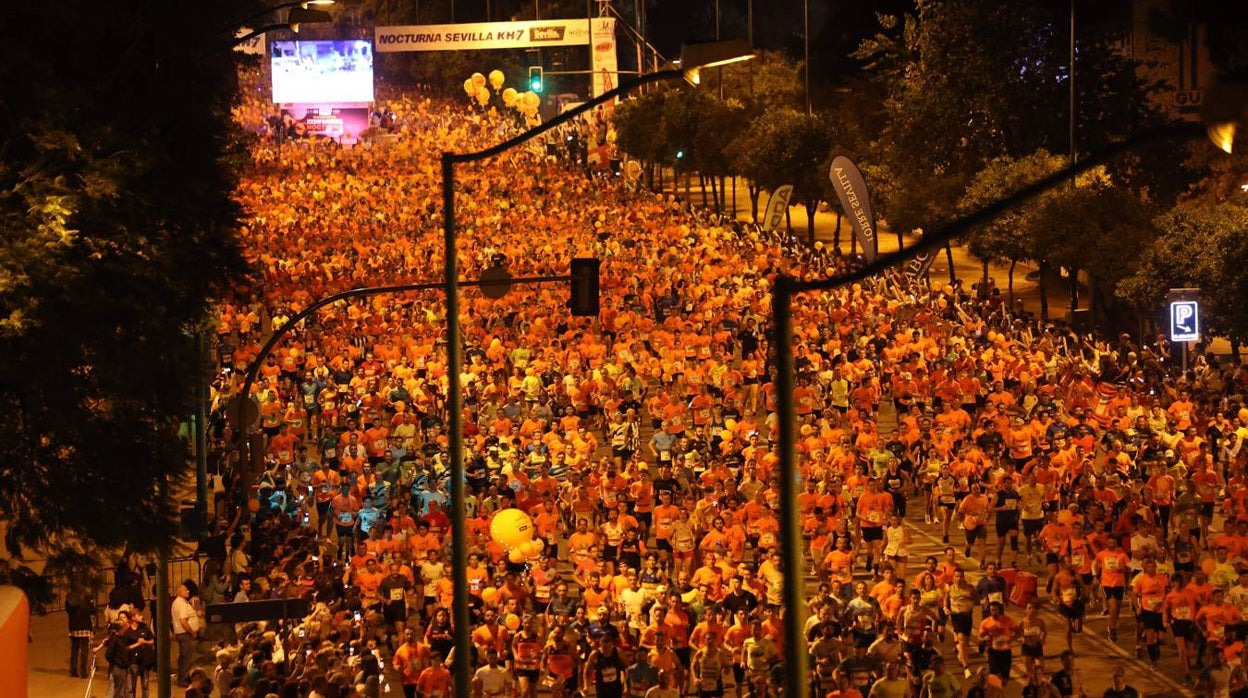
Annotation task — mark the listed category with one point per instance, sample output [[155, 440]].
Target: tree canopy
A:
[[1200, 246], [116, 233], [957, 99]]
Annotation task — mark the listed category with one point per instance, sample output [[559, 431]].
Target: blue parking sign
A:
[[1184, 321]]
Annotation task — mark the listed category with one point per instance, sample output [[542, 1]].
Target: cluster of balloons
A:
[[476, 89], [526, 103], [490, 596], [513, 529]]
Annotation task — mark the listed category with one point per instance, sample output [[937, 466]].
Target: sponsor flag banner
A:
[[915, 269], [777, 206], [603, 55], [852, 192], [491, 35]]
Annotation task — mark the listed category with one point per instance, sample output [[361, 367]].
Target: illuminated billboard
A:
[[318, 72]]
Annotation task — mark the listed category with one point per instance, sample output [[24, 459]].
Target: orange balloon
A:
[[1065, 517], [516, 555], [512, 622], [253, 505], [1208, 565], [489, 595]]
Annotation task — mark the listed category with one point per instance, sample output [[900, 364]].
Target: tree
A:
[[787, 147], [721, 123], [957, 101], [635, 133], [1096, 228], [1008, 237], [117, 230], [1198, 246]]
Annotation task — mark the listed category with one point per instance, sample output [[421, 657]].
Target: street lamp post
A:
[[693, 57], [806, 40]]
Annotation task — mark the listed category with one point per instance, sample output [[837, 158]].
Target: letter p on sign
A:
[[1184, 321]]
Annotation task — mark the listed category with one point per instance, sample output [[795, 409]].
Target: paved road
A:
[[1096, 655]]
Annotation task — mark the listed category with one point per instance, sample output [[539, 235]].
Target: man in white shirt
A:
[[492, 680], [185, 628], [1143, 544]]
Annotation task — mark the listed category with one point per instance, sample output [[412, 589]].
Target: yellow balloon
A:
[[496, 79], [1242, 414], [470, 87], [478, 80], [516, 555], [511, 527], [512, 622], [531, 548], [483, 96], [489, 595], [509, 97]]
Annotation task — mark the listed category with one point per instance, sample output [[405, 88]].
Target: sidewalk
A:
[[48, 662]]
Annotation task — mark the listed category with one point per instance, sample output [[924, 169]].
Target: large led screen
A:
[[322, 71]]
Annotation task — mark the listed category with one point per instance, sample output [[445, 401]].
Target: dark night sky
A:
[[836, 28]]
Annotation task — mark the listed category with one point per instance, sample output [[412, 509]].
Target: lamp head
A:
[[1223, 111], [304, 15], [712, 54]]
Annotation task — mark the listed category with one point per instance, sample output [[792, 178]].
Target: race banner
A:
[[777, 206], [253, 46], [852, 192], [490, 35]]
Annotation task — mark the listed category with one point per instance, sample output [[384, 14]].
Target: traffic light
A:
[[584, 300], [535, 79]]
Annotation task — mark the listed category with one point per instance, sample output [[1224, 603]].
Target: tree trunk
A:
[[983, 280], [810, 222], [853, 243], [755, 190], [1074, 291], [836, 234], [1044, 290], [1092, 303], [1010, 288], [788, 221], [702, 185], [901, 240], [953, 273]]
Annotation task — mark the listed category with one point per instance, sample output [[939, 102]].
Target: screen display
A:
[[322, 71]]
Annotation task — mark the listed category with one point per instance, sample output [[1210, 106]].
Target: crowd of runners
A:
[[641, 444]]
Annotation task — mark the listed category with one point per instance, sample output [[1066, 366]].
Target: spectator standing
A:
[[80, 610], [185, 631]]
